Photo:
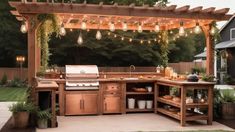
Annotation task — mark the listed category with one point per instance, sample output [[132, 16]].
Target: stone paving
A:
[[5, 114], [126, 123]]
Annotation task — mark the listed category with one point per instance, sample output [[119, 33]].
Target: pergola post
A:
[[34, 52], [209, 50]]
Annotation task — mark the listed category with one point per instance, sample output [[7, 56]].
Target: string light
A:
[[62, 30], [71, 29], [171, 32], [212, 31], [130, 40], [156, 28], [181, 29], [109, 33], [155, 40], [80, 40], [115, 35], [83, 25], [186, 35], [23, 27], [141, 41], [98, 35], [122, 38], [112, 27], [140, 30], [149, 42], [191, 31], [88, 30], [124, 26], [197, 29]]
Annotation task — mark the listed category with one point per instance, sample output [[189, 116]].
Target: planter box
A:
[[228, 110]]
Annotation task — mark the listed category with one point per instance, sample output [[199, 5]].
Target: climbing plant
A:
[[164, 48], [48, 26]]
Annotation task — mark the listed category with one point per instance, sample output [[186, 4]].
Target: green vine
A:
[[48, 25], [164, 48]]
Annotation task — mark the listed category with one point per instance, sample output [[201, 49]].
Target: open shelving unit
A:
[[139, 95], [181, 110]]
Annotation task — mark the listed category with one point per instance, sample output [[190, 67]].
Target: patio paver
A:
[[126, 123], [5, 114]]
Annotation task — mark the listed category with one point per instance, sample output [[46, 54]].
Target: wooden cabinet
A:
[[112, 97], [112, 104], [78, 103]]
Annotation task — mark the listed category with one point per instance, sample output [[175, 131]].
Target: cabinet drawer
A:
[[112, 87]]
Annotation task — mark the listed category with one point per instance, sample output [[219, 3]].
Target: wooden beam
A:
[[196, 9], [132, 5], [208, 10], [209, 50], [182, 9], [15, 13], [109, 10], [19, 18], [222, 11], [169, 8]]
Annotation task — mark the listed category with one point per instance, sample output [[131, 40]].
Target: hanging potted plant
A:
[[21, 111], [228, 104], [42, 118]]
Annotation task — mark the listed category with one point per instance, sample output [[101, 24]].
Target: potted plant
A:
[[42, 118], [228, 104], [21, 111]]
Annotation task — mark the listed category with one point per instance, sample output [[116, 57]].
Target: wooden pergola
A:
[[99, 16]]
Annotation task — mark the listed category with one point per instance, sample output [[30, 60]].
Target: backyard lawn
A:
[[12, 94]]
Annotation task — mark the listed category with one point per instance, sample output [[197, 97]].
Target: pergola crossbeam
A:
[[182, 9], [196, 9], [208, 10], [221, 11]]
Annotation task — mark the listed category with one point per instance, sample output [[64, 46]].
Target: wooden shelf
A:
[[196, 117], [198, 105], [139, 110], [169, 102], [166, 112], [139, 93]]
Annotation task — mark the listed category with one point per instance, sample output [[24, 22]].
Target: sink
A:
[[131, 78]]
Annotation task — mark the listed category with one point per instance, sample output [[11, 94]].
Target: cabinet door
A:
[[90, 103], [73, 104], [112, 104]]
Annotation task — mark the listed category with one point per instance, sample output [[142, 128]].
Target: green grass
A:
[[12, 94]]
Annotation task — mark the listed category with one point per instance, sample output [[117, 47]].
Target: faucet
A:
[[132, 67]]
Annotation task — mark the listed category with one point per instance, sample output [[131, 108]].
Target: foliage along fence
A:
[[181, 67]]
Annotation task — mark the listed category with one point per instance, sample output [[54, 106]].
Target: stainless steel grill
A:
[[82, 77]]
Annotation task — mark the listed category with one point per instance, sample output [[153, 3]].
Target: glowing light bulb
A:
[[124, 26], [88, 30], [83, 25], [155, 40], [191, 31], [140, 30], [122, 38], [186, 35], [130, 40], [181, 31], [23, 28], [71, 29], [109, 33], [98, 35], [80, 40], [212, 31], [115, 35], [149, 42], [62, 30], [197, 29], [156, 28], [141, 41], [112, 27], [171, 32]]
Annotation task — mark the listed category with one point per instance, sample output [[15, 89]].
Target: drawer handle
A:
[[105, 106], [80, 104]]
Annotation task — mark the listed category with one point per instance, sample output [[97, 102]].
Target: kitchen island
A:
[[113, 95]]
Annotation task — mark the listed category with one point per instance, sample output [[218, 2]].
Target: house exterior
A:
[[226, 51]]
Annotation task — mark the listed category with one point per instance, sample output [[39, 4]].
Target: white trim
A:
[[225, 25], [231, 33]]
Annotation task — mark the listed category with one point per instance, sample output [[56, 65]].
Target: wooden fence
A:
[[181, 67]]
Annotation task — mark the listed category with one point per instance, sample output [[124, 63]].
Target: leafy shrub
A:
[[4, 79], [228, 79], [16, 82], [217, 107], [227, 96], [44, 114], [22, 107], [208, 78]]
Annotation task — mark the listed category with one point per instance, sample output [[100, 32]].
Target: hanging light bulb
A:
[[186, 35], [149, 42], [197, 29], [156, 28], [23, 27], [155, 40], [122, 38], [181, 29], [80, 40], [83, 25], [115, 35], [98, 35], [191, 31], [62, 30], [71, 29], [88, 30], [140, 30], [109, 33], [171, 32], [112, 27], [124, 26], [212, 31], [141, 41], [130, 40]]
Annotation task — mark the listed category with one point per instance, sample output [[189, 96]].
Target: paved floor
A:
[[126, 123], [5, 114]]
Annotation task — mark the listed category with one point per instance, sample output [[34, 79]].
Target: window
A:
[[232, 33]]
